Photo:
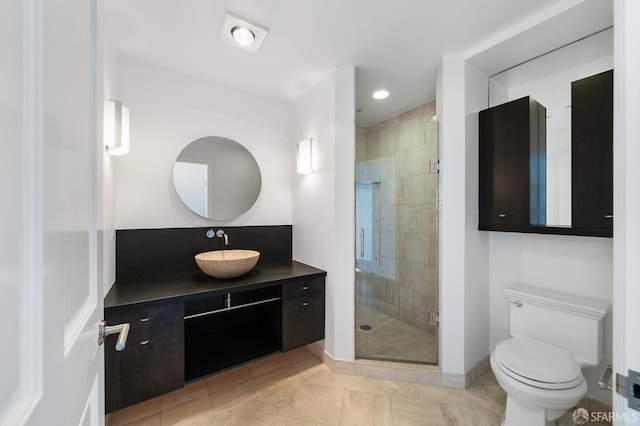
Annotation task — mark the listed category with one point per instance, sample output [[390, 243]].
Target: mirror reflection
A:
[[217, 178], [548, 80]]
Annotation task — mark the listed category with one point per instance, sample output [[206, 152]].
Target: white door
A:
[[626, 298], [50, 363], [191, 181]]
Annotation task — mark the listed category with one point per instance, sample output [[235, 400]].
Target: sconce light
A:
[[116, 128], [305, 163]]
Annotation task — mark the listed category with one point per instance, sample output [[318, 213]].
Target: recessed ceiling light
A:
[[242, 32], [380, 94], [243, 35]]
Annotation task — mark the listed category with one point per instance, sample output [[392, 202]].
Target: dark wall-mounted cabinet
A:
[[592, 152], [512, 165], [512, 151]]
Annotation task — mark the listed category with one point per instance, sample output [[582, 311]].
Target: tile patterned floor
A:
[[295, 388], [392, 339]]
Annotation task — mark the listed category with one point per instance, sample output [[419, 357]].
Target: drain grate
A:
[[365, 327]]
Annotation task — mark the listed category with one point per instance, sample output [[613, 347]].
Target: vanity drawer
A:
[[303, 287], [237, 300], [145, 316]]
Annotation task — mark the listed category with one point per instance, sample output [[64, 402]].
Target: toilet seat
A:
[[538, 364]]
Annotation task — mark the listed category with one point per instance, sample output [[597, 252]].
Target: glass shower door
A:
[[396, 238]]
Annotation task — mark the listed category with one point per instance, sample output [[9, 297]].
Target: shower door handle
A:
[[361, 242]]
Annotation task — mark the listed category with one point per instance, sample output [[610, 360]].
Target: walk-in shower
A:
[[397, 237]]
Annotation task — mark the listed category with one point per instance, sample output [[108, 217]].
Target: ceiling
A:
[[394, 44]]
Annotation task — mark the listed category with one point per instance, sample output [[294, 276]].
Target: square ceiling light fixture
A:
[[242, 32]]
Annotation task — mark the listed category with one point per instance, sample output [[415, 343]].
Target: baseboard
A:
[[399, 371]]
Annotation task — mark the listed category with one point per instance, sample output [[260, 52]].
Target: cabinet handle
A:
[[608, 216], [145, 342], [144, 319], [305, 303], [227, 301], [305, 287], [231, 308], [502, 215]]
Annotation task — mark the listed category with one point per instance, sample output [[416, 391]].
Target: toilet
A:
[[553, 336]]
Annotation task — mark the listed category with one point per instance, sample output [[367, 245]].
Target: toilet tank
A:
[[570, 322]]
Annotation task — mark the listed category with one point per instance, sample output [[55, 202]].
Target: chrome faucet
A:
[[220, 233]]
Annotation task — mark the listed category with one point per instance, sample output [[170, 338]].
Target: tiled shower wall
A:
[[398, 196]]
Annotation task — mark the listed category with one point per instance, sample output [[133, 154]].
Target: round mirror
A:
[[217, 178]]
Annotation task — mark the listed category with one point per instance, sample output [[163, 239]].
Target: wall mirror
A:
[[217, 178], [548, 80]]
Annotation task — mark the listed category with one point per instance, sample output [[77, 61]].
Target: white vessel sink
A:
[[227, 263]]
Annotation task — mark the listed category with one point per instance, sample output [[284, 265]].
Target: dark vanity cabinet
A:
[[185, 326], [303, 312], [152, 362], [592, 152], [512, 187]]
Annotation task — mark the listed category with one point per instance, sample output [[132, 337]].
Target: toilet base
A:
[[519, 414]]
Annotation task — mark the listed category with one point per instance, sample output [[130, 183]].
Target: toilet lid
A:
[[538, 364]]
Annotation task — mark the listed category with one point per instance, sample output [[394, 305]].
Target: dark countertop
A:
[[195, 284]]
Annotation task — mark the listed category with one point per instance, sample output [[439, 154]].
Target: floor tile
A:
[[425, 393], [196, 412], [135, 412], [251, 418], [226, 379], [407, 412], [368, 386], [469, 415], [268, 363], [363, 408], [190, 392], [296, 389], [235, 398], [318, 404]]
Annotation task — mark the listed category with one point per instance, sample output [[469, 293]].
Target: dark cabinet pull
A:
[[502, 215], [305, 303], [306, 287]]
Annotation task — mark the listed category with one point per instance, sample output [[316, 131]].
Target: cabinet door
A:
[[592, 152], [512, 165], [154, 365], [302, 320], [152, 362]]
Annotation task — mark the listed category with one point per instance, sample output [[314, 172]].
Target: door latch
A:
[[122, 330], [629, 387]]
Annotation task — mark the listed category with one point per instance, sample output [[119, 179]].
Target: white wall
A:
[[450, 105], [477, 243], [464, 251], [323, 202], [168, 111]]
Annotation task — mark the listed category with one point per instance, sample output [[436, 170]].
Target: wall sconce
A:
[[116, 128], [305, 157]]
